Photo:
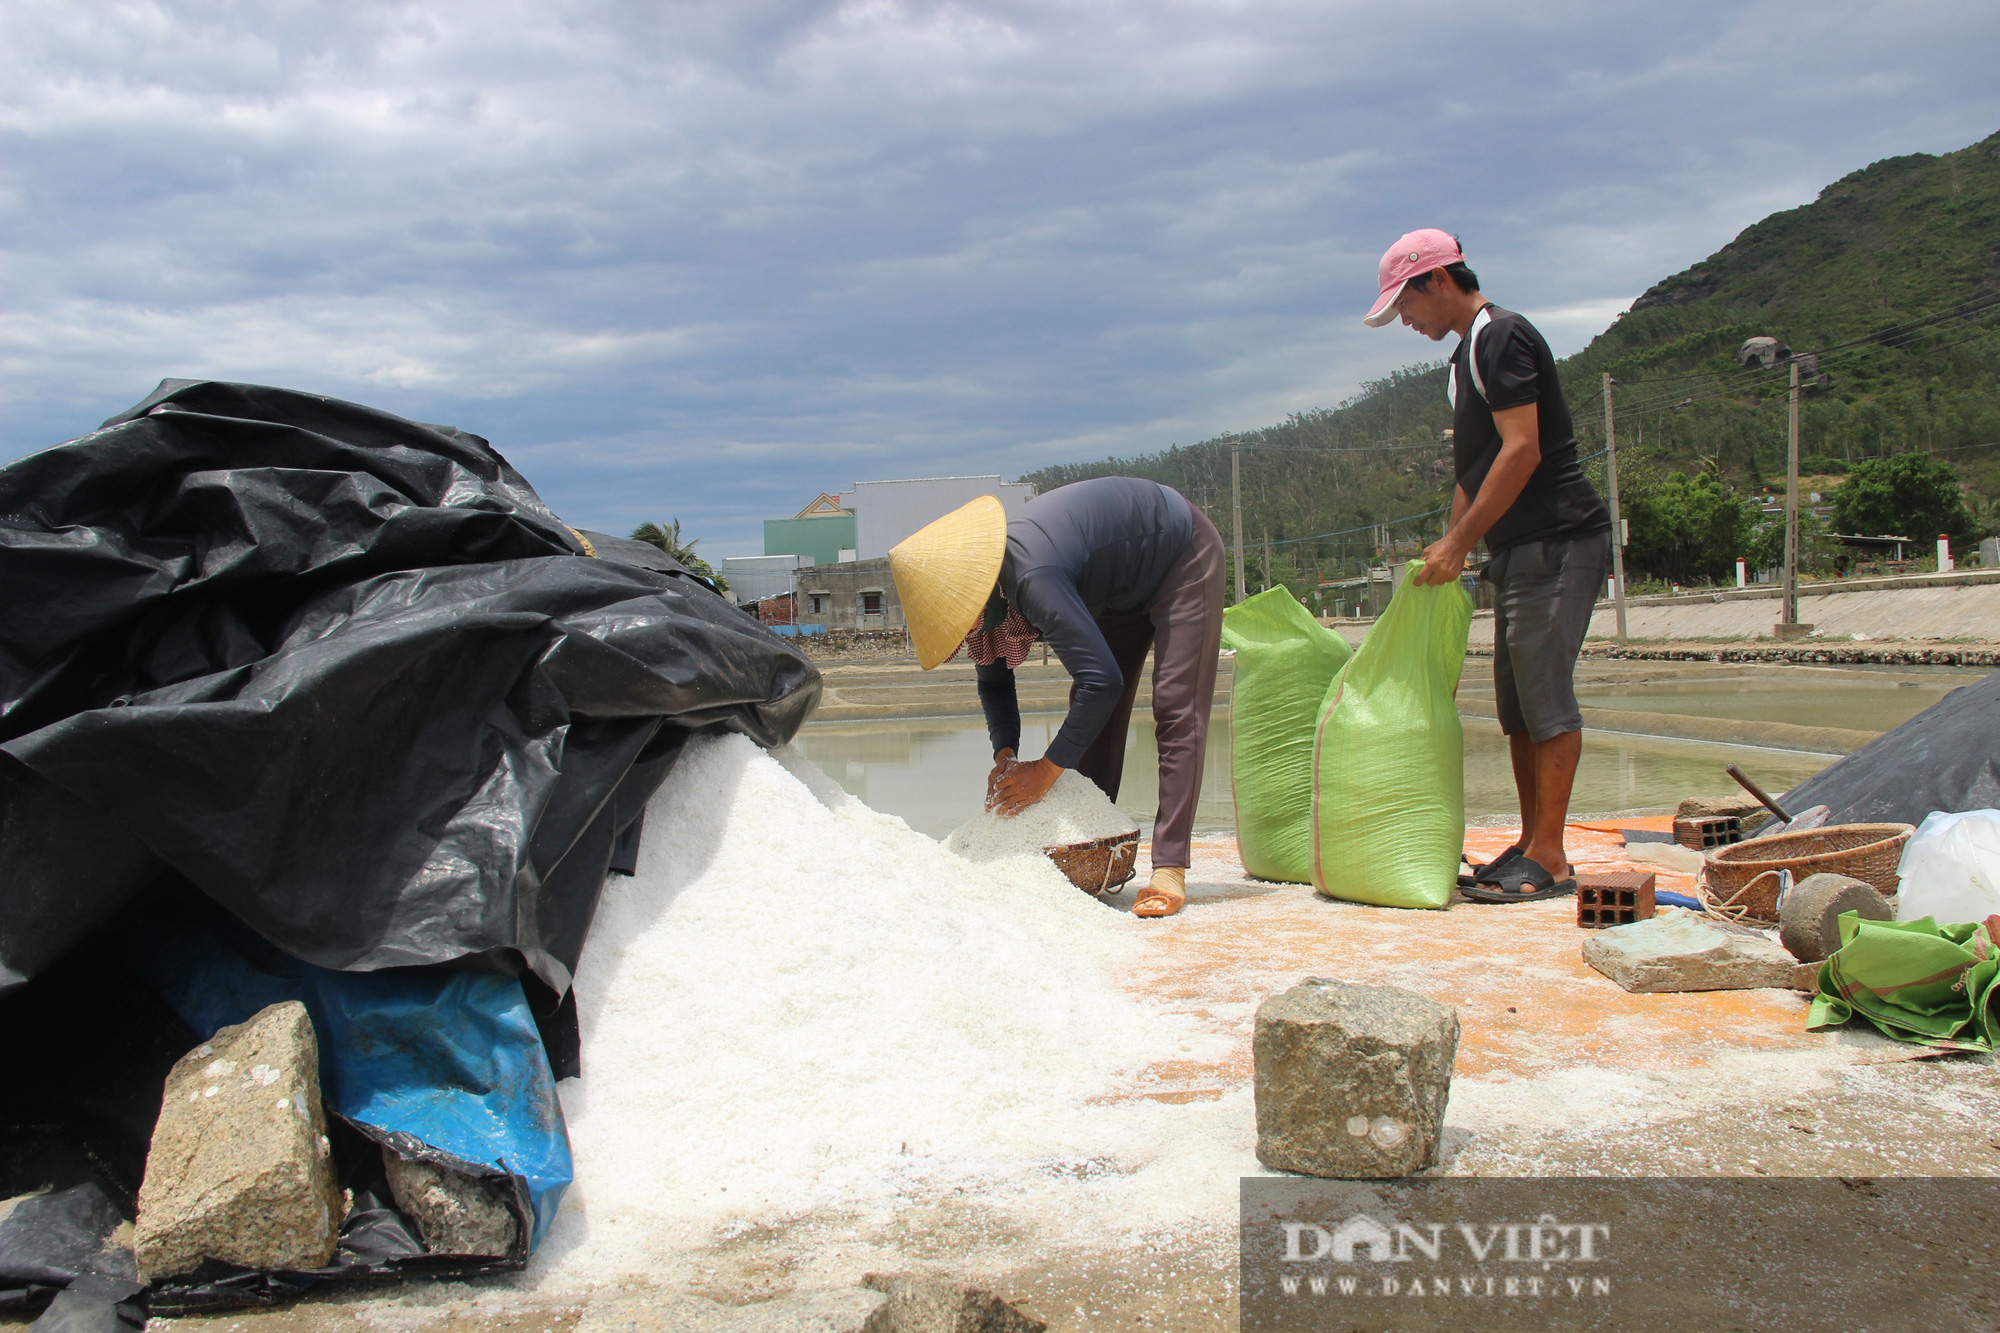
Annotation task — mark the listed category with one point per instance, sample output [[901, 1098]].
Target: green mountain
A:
[[1891, 277]]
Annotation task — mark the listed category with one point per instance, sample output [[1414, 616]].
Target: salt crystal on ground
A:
[[799, 1008], [1074, 810]]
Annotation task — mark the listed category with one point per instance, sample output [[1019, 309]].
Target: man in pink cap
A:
[[1521, 490]]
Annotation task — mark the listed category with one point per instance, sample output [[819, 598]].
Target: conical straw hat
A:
[[945, 573]]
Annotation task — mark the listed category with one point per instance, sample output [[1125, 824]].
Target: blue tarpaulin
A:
[[451, 1058]]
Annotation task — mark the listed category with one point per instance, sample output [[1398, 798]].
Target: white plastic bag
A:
[[1951, 868]]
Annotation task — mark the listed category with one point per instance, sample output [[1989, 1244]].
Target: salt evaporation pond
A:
[[932, 771]]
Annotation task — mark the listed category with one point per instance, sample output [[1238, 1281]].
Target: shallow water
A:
[[1856, 707], [932, 771]]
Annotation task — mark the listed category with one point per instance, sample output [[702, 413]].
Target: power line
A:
[[1749, 385], [1838, 355], [1337, 449], [1766, 390], [1704, 386], [1967, 309], [1392, 522], [1365, 527]]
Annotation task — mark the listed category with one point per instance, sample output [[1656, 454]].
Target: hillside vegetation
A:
[[1891, 277]]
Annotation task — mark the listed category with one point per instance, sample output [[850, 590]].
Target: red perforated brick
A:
[[1701, 832], [1613, 898]]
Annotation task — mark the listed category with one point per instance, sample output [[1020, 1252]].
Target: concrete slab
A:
[[1953, 612]]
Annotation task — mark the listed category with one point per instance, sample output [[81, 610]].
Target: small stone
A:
[[1809, 918], [454, 1214], [1684, 951], [230, 1176], [1352, 1080], [920, 1303], [843, 1310], [1805, 977]]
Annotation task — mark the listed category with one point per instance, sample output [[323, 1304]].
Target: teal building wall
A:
[[822, 537]]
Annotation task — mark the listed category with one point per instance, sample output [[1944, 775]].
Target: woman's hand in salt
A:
[[1021, 785], [1002, 761]]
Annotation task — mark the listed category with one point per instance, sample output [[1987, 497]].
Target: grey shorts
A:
[[1543, 596]]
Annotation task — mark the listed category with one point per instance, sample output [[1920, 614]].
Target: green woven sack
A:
[[1389, 761], [1284, 662]]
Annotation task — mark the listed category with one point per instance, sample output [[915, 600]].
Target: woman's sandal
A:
[[1480, 873], [1164, 895], [1523, 881]]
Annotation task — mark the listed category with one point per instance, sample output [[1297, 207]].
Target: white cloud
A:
[[707, 258]]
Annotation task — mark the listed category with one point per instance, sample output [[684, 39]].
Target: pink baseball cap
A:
[[1418, 252]]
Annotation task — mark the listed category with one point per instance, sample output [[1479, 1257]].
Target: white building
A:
[[885, 512], [752, 578]]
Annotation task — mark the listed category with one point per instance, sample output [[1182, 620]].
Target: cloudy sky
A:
[[707, 259]]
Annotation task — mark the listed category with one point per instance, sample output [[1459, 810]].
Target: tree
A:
[[1906, 495], [668, 539], [1685, 527], [1818, 551]]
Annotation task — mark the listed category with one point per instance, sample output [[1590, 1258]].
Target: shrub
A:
[[1686, 528], [1819, 553], [1907, 495]]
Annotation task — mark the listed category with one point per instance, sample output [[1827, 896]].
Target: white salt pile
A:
[[1073, 811], [801, 1014]]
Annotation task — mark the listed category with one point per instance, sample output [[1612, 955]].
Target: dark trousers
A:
[[1182, 626], [1544, 596]]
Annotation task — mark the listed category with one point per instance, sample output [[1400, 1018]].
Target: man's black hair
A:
[[1467, 280]]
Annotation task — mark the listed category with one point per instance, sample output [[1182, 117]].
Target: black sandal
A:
[[1524, 881], [1480, 872]]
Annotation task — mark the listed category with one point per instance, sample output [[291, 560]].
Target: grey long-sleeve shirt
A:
[[1079, 551]]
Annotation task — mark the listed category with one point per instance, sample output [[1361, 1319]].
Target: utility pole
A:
[[1236, 508], [1791, 609], [1267, 560], [1617, 520]]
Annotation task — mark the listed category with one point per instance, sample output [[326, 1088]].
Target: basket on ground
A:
[[1099, 865], [1740, 880]]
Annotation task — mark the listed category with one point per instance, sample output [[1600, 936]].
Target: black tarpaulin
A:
[[346, 674]]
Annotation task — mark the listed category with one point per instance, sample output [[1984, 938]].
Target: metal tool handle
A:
[[1758, 792]]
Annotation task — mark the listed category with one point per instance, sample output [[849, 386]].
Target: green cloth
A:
[[1918, 981], [1285, 659]]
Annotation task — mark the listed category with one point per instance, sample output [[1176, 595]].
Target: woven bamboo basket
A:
[[1740, 881], [1100, 865]]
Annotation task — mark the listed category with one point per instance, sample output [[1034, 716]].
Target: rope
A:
[[1732, 908]]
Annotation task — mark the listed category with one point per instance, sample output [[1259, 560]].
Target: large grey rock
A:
[[454, 1214], [1682, 951], [1809, 918], [1352, 1080], [921, 1303], [844, 1310], [239, 1168]]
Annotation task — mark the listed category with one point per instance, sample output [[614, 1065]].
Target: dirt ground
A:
[[1559, 1073]]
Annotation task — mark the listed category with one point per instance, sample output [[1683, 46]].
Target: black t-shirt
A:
[[1517, 368]]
